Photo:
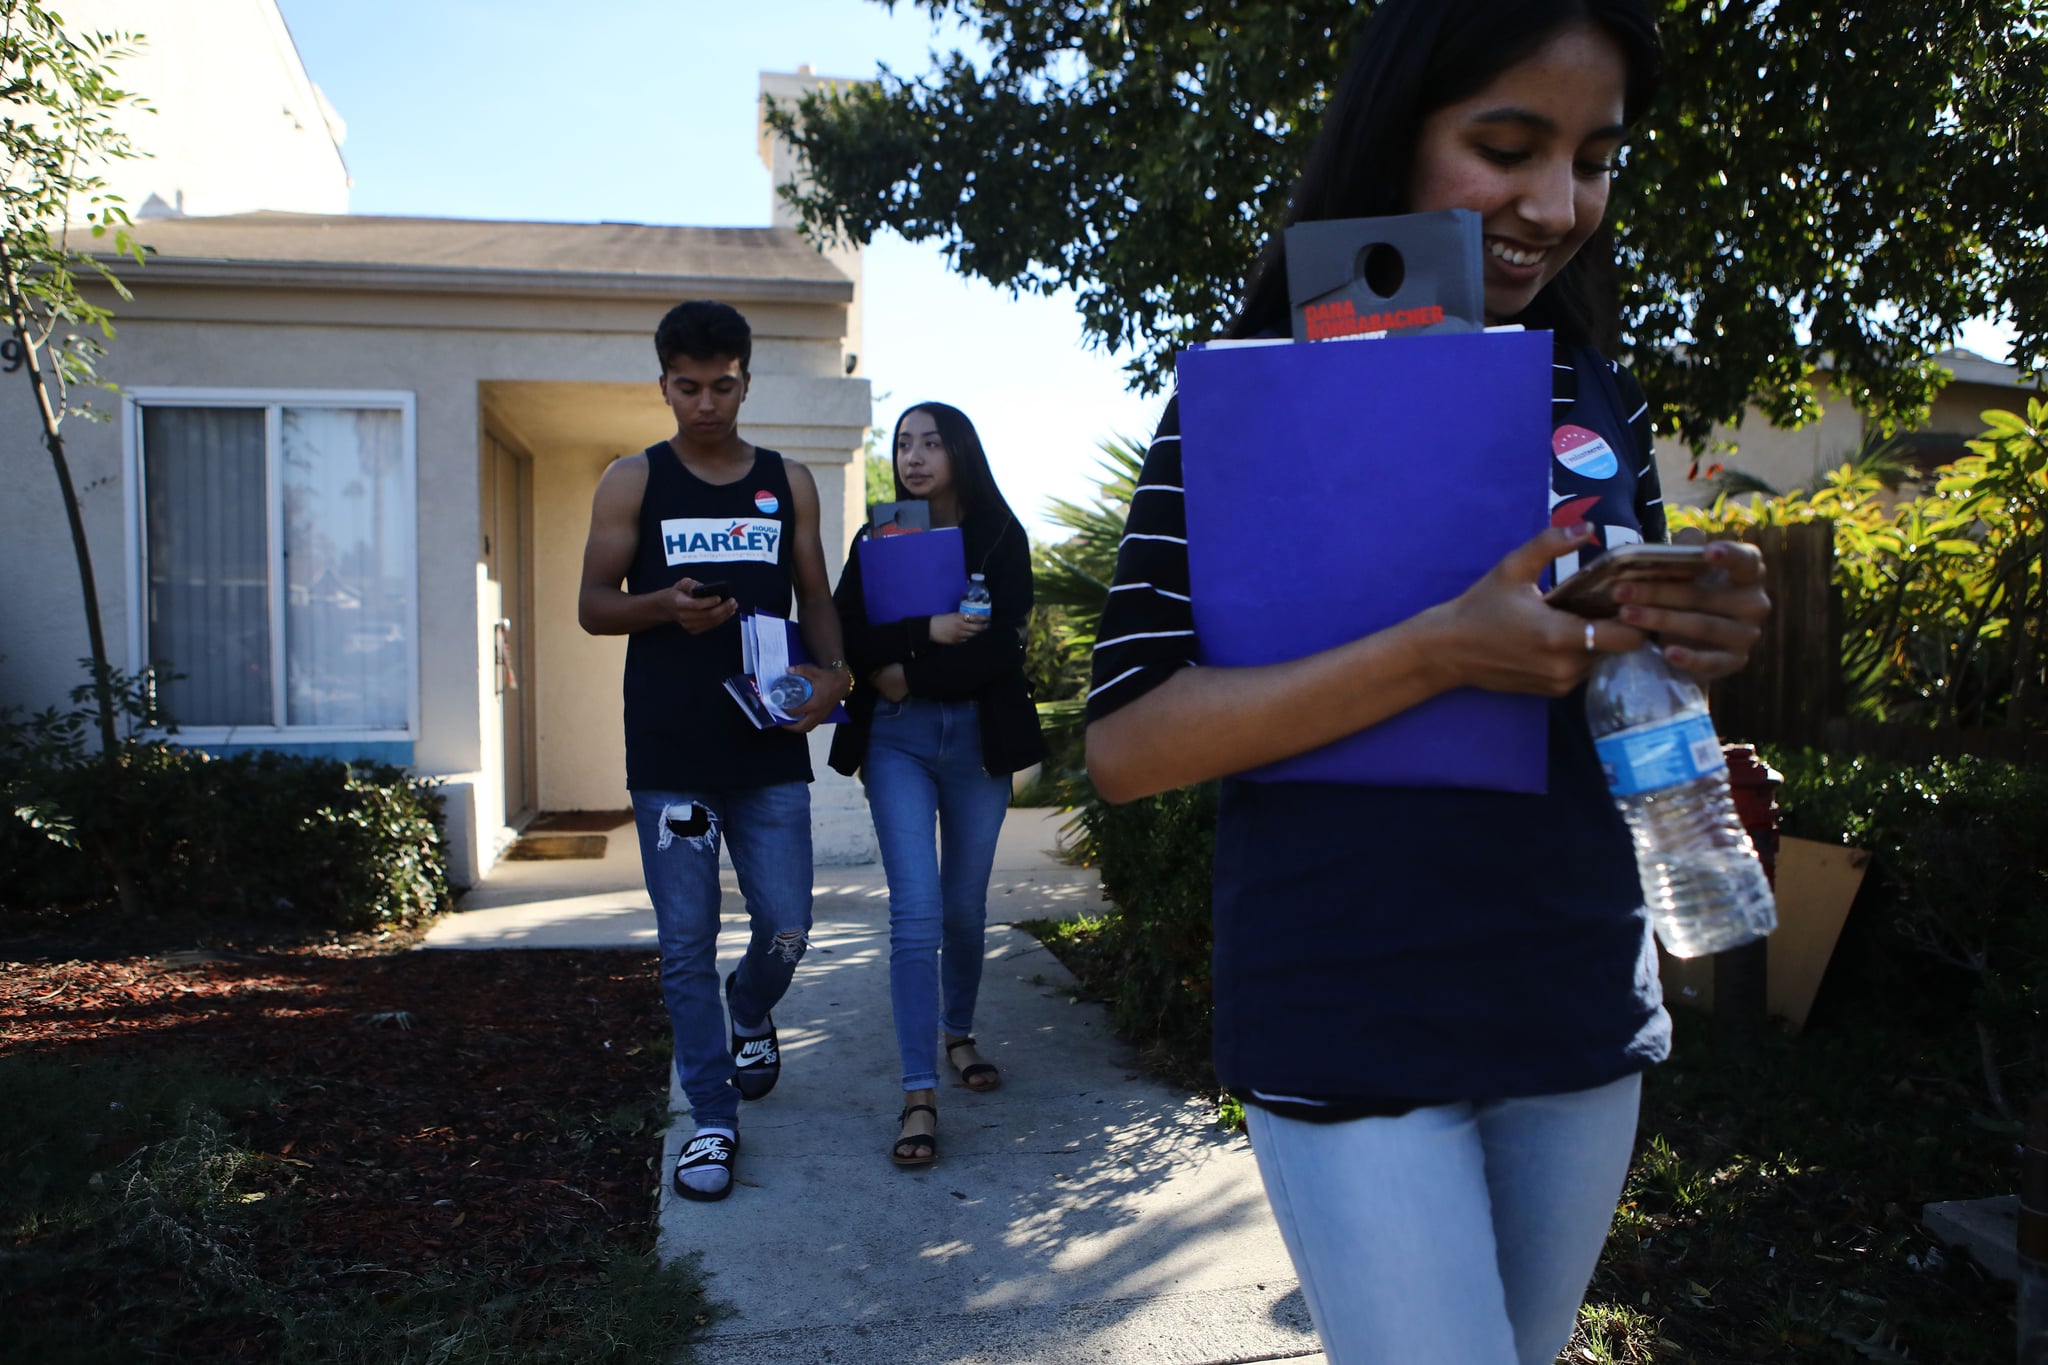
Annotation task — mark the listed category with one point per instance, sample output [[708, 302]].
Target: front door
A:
[[508, 501]]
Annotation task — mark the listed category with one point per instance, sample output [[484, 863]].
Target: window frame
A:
[[134, 510]]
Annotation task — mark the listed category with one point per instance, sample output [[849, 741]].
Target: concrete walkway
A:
[[1081, 1213]]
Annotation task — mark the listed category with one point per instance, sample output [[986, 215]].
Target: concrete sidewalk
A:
[[1081, 1213]]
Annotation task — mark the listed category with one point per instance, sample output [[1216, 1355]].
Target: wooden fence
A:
[[1792, 688], [1791, 694]]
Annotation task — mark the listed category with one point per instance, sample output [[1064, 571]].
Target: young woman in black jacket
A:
[[940, 719]]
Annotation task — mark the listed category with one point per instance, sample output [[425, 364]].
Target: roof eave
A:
[[471, 280]]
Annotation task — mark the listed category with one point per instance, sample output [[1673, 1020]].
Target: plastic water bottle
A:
[[788, 693], [1701, 879], [976, 606]]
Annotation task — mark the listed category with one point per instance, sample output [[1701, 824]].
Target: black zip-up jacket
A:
[[988, 669]]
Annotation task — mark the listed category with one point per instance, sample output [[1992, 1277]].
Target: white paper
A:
[[765, 645]]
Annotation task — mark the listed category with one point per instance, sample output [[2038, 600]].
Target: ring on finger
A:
[[1589, 637]]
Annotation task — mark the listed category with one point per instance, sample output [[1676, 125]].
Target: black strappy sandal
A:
[[974, 1071], [924, 1147]]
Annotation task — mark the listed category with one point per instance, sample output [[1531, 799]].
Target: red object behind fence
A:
[[1755, 786]]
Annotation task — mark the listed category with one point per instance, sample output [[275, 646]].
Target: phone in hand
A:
[[1590, 591], [721, 591]]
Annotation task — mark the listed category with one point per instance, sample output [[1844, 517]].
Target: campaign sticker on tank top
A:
[[716, 540], [1585, 453], [767, 502]]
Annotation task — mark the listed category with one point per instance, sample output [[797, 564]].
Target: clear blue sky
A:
[[631, 111]]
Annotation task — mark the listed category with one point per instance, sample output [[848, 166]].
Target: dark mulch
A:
[[427, 1111]]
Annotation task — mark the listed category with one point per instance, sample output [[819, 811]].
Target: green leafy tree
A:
[[57, 107], [1819, 180], [880, 476]]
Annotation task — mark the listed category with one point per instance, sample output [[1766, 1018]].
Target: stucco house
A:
[[346, 482], [1802, 457]]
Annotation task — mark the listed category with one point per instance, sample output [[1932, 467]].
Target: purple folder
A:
[[918, 573], [1335, 488]]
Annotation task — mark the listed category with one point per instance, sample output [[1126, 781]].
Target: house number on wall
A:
[[10, 352]]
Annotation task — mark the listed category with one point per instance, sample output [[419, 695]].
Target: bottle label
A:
[[1662, 755]]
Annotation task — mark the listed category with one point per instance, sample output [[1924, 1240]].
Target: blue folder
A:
[[918, 573], [1335, 488]]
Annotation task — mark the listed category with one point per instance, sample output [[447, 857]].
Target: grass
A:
[[1771, 1212], [1772, 1209], [133, 1189]]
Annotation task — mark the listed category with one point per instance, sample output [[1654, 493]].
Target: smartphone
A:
[[1590, 591], [721, 591]]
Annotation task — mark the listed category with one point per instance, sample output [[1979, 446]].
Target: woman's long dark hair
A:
[[974, 484], [1413, 58]]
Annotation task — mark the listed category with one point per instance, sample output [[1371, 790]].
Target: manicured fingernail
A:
[[1624, 592], [1579, 530], [1632, 615]]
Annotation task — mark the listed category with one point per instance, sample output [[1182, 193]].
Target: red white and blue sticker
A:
[[767, 502], [1584, 452]]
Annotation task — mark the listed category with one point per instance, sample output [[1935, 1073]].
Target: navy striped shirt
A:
[[1380, 948]]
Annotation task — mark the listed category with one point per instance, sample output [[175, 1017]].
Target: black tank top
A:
[[683, 731]]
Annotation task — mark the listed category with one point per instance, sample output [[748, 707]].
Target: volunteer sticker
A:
[[767, 502], [1584, 452]]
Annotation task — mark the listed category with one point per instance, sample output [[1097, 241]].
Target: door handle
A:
[[501, 638]]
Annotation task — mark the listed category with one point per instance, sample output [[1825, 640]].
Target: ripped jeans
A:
[[768, 830]]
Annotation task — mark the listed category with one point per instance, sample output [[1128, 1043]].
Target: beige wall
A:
[[1961, 406], [1784, 458], [596, 368], [238, 125], [1801, 458]]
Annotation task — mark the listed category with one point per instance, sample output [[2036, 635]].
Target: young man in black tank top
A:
[[706, 509]]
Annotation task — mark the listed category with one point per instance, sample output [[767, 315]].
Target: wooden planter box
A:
[[1816, 885]]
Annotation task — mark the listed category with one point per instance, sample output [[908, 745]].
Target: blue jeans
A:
[[1460, 1232], [924, 769], [769, 832]]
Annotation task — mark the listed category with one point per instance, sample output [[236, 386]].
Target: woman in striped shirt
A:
[[1436, 1001]]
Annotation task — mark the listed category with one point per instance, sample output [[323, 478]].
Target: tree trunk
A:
[[102, 668], [102, 680]]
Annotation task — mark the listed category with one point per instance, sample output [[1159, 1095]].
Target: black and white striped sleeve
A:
[[1148, 625], [1649, 487]]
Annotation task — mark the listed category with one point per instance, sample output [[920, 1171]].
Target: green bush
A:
[[1156, 857], [1071, 578], [246, 838], [1958, 879], [259, 837], [1150, 954], [1944, 604]]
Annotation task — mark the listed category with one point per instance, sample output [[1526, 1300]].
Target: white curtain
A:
[[346, 571], [208, 563]]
